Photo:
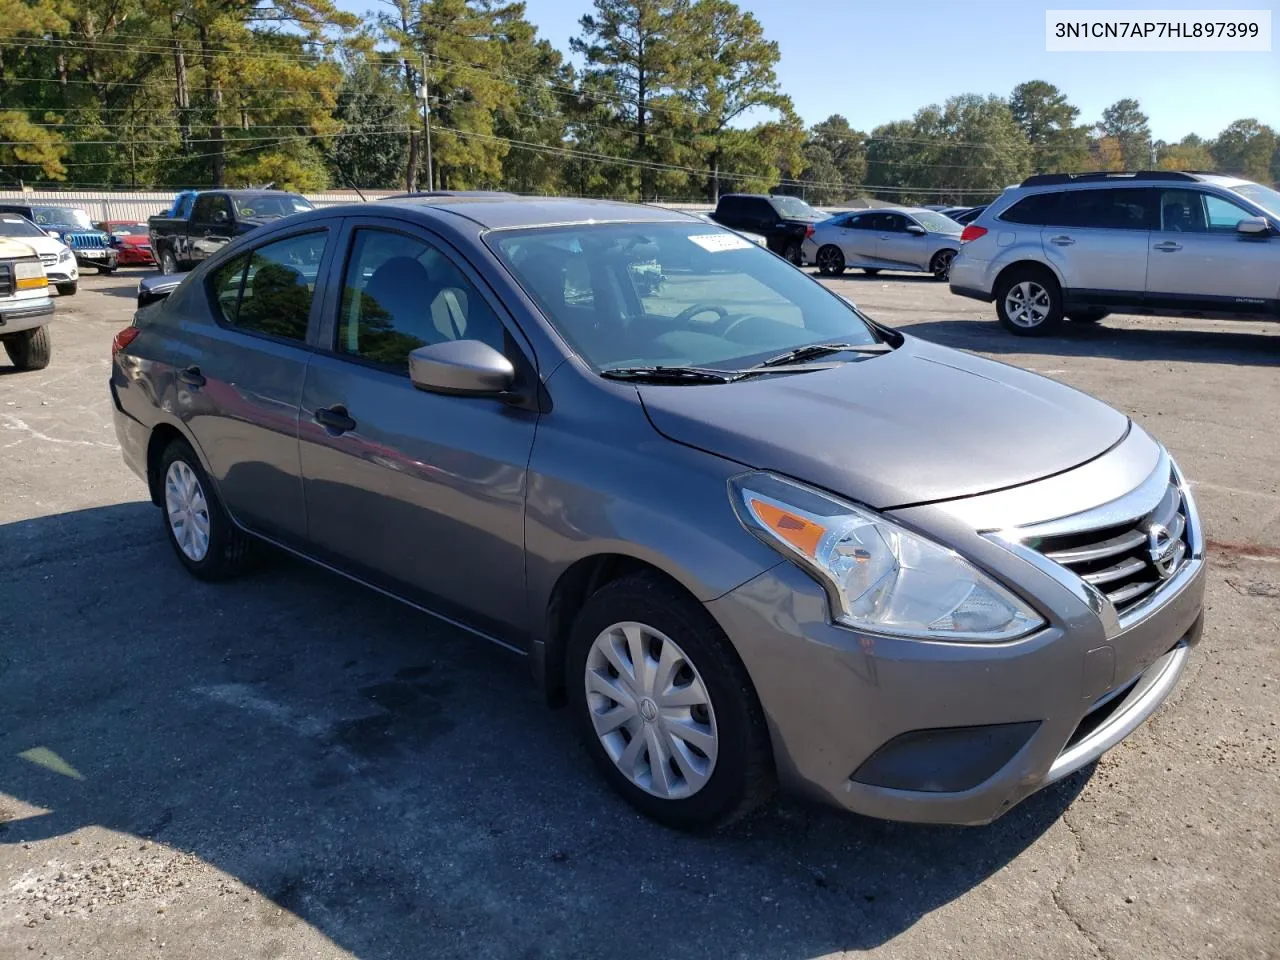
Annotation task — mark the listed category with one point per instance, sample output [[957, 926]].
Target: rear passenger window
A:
[[269, 290], [1114, 209], [400, 294], [1037, 209]]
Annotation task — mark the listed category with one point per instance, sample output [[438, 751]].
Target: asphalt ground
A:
[[291, 766]]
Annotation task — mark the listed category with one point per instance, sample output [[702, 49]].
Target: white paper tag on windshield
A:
[[719, 242]]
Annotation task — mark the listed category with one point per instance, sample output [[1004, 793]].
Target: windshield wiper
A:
[[821, 349], [671, 374]]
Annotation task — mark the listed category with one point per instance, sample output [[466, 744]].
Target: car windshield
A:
[[129, 229], [936, 222], [673, 294], [19, 227], [62, 217], [270, 205], [1265, 197], [794, 207]]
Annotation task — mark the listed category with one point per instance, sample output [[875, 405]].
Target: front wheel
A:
[[1029, 302], [68, 289], [102, 270], [30, 349], [830, 261], [666, 708], [201, 533], [940, 265]]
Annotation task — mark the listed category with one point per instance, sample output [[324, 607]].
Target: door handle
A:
[[192, 377], [1168, 246], [335, 419], [884, 236], [1062, 241]]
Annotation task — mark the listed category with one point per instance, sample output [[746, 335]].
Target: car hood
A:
[[917, 425], [42, 245]]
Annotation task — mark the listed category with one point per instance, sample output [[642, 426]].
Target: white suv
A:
[[1082, 245]]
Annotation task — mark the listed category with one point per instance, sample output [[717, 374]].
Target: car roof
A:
[[507, 213]]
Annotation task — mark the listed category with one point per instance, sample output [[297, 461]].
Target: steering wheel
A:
[[688, 313]]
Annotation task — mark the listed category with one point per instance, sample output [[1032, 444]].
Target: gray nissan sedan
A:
[[748, 534]]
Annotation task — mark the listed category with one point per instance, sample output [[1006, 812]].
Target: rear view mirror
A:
[[1253, 226], [462, 367], [916, 229]]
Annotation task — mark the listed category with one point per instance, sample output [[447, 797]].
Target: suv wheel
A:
[[30, 349], [666, 708], [1029, 302], [168, 263], [830, 261], [940, 265], [68, 289], [209, 545]]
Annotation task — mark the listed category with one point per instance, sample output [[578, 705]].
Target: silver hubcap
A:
[[651, 710], [1027, 304], [188, 511]]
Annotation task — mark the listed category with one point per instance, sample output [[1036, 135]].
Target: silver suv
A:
[[1082, 245]]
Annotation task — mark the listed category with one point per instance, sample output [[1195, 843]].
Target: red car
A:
[[132, 241]]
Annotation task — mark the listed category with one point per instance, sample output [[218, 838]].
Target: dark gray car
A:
[[746, 533]]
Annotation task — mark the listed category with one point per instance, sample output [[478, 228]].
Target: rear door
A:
[[418, 492], [239, 379], [1199, 261], [1097, 239], [857, 238]]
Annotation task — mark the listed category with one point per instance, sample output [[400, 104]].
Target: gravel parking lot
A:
[[290, 766]]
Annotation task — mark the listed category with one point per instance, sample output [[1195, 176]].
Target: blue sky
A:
[[876, 60]]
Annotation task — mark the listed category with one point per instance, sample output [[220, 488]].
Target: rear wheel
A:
[[792, 252], [201, 533], [940, 265], [168, 262], [68, 289], [666, 707], [1087, 316], [30, 349], [830, 261], [1029, 302]]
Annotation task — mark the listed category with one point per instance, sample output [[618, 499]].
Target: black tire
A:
[[871, 271], [229, 548], [1042, 282], [830, 260], [1088, 316], [68, 289], [940, 265], [792, 252], [30, 349], [168, 263], [743, 776], [102, 270]]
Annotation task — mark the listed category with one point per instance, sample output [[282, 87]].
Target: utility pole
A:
[[424, 94]]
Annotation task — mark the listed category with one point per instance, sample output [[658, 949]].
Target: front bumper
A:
[[19, 315], [943, 732], [108, 259], [135, 255]]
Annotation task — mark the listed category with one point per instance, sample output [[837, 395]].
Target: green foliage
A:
[[1247, 148], [1048, 121], [1126, 124]]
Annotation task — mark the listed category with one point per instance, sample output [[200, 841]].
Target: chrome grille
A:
[[49, 259], [1129, 561]]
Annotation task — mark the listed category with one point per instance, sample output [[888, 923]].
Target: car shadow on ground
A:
[[856, 273], [1101, 340], [395, 784]]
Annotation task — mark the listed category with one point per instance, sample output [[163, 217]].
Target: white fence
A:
[[107, 205]]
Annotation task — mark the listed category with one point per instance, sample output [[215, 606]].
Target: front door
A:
[[1198, 260], [210, 227], [420, 493], [240, 378], [894, 245], [1098, 243]]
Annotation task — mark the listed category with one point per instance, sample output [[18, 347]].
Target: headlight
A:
[[880, 576], [66, 255]]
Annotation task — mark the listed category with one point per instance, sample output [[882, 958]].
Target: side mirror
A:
[[461, 367], [1253, 226], [220, 216], [916, 229]]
